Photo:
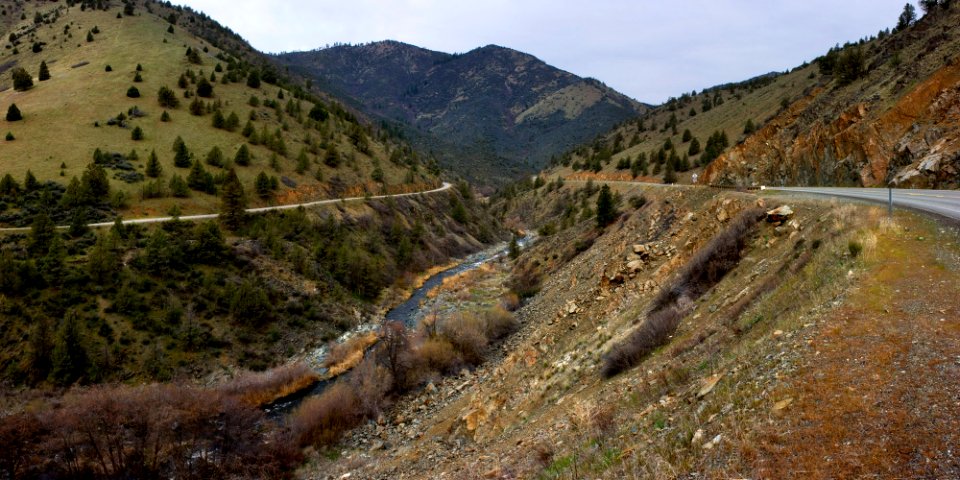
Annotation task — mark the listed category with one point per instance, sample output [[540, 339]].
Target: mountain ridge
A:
[[507, 108]]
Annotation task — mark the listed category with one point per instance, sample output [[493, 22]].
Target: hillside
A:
[[106, 69], [490, 113], [889, 117], [677, 135], [749, 347], [894, 118], [178, 300]]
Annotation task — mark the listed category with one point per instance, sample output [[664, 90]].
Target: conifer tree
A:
[[232, 211], [69, 356], [153, 169], [215, 157], [181, 157], [13, 113], [167, 98], [44, 74], [242, 157], [137, 134], [606, 210], [262, 185]]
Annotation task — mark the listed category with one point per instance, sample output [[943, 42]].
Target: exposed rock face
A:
[[492, 111], [900, 124]]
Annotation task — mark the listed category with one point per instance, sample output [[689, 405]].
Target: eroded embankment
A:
[[541, 407]]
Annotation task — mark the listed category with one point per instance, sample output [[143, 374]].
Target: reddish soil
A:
[[879, 396]]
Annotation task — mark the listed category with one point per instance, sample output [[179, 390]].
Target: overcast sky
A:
[[648, 49]]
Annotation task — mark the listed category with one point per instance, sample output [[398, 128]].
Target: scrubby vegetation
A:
[[157, 302], [400, 362], [704, 270]]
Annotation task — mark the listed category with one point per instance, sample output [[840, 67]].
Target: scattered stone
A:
[[708, 385], [697, 438], [635, 266], [713, 443], [782, 404]]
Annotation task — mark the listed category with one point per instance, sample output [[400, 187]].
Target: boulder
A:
[[635, 266], [779, 214]]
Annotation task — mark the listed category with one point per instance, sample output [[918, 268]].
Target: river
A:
[[409, 312]]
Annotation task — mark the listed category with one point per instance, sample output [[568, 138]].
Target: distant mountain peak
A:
[[491, 113]]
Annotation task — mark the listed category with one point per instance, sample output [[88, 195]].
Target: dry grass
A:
[[343, 357], [707, 267], [60, 113], [261, 388]]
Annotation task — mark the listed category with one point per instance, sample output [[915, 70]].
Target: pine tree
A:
[[233, 122], [13, 113], [669, 175], [694, 147], [42, 231], [137, 134], [44, 74], [242, 157], [181, 158], [687, 135], [262, 186], [303, 162], [30, 182], [232, 211], [749, 127], [248, 129], [22, 80], [199, 179], [907, 17], [69, 356], [218, 121], [167, 98], [165, 116], [215, 157], [95, 184], [606, 210], [253, 79], [178, 187], [154, 169], [204, 88]]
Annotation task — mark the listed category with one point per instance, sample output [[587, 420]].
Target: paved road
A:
[[945, 203], [211, 216]]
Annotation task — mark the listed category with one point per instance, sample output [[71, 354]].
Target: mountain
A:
[[490, 113], [883, 110], [868, 112], [108, 61]]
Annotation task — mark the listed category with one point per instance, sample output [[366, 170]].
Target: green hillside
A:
[[312, 147], [727, 109]]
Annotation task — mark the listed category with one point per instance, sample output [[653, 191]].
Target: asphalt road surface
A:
[[211, 216], [945, 203]]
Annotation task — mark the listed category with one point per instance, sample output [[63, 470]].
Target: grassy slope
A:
[[741, 105], [60, 113]]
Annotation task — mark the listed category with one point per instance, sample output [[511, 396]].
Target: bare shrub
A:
[[371, 383], [526, 280], [439, 355], [468, 334], [322, 419], [154, 431], [643, 340], [261, 388], [510, 301], [709, 265], [498, 323]]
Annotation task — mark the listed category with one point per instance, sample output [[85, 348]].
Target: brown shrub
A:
[[156, 431], [344, 356], [498, 323], [468, 334], [526, 280], [439, 355], [643, 340], [322, 419], [510, 301], [261, 388], [709, 265]]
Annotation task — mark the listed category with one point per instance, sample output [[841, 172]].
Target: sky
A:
[[648, 49]]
